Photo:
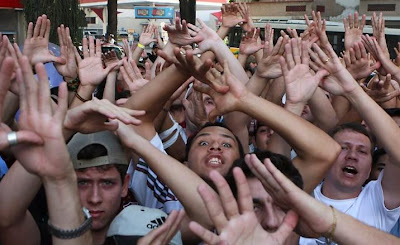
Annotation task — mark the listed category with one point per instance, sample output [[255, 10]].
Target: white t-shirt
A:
[[148, 190], [368, 208]]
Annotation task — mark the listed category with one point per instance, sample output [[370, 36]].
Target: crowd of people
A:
[[286, 144]]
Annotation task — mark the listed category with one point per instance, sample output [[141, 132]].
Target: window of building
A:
[[321, 8], [91, 20], [381, 7], [301, 8]]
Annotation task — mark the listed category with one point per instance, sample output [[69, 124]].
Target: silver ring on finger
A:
[[12, 138]]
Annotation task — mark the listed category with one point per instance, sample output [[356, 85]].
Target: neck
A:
[[99, 236], [333, 192]]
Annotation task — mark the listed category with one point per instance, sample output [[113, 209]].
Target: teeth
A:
[[214, 161], [350, 169]]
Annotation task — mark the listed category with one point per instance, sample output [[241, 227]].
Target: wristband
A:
[[80, 97], [74, 233], [329, 235], [140, 45]]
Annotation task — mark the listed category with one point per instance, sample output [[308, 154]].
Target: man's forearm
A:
[[65, 209]]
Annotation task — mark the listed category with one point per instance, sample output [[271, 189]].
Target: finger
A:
[[29, 33], [85, 48], [47, 31], [289, 56], [78, 57], [43, 95], [6, 72], [296, 51], [207, 236], [91, 47], [228, 201], [98, 48], [387, 82], [357, 51], [43, 26], [305, 55], [363, 22], [213, 205], [352, 55], [36, 30], [345, 23], [284, 66], [351, 21], [245, 199], [287, 226], [29, 82], [121, 102], [60, 36], [174, 226], [356, 20], [62, 103], [28, 137]]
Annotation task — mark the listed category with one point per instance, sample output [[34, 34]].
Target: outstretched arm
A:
[[315, 218], [51, 160], [280, 120], [381, 125]]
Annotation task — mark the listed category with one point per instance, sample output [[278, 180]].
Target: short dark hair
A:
[[393, 112], [281, 162], [97, 150], [209, 124], [356, 127]]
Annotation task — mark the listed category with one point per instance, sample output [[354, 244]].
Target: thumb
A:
[[321, 74], [287, 226], [58, 60], [212, 116]]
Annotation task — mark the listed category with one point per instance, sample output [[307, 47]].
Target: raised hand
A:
[[244, 11], [300, 83], [206, 36], [382, 90], [340, 81], [37, 42], [195, 110], [230, 15], [160, 42], [180, 34], [387, 66], [147, 35], [353, 30], [358, 62], [186, 61], [378, 28], [128, 49], [268, 67], [96, 115], [397, 51], [287, 195], [69, 70], [91, 71], [50, 160], [251, 42], [132, 76], [23, 136], [225, 101], [235, 221], [111, 59], [163, 234]]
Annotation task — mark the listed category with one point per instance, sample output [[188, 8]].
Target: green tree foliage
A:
[[59, 12]]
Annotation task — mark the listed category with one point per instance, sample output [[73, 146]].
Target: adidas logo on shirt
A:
[[156, 223]]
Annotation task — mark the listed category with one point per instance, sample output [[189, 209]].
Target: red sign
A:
[[11, 4]]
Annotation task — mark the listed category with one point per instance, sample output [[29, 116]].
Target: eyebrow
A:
[[223, 135]]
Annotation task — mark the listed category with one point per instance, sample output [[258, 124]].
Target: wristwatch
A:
[[70, 234]]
